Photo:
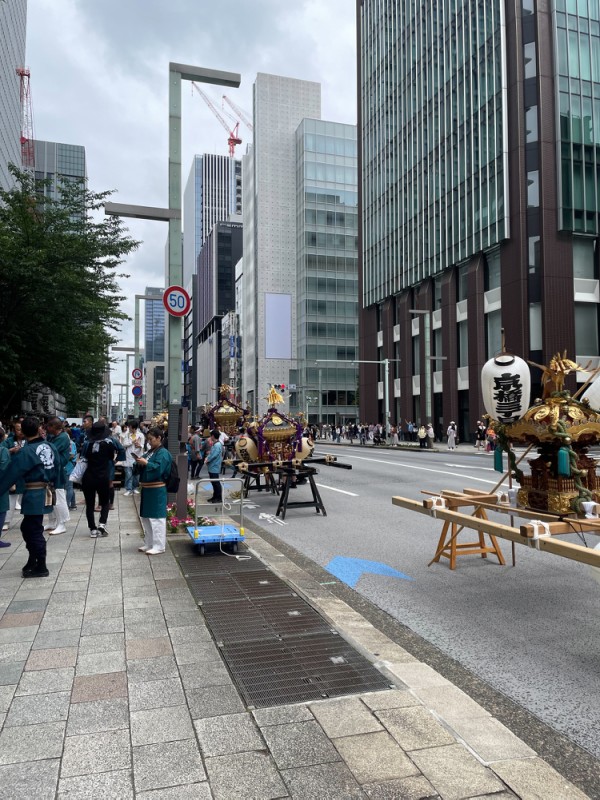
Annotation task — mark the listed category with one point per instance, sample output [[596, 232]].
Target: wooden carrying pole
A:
[[574, 552]]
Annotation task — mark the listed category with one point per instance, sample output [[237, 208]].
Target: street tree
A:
[[59, 289]]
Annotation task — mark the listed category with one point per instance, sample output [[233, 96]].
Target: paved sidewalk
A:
[[112, 687]]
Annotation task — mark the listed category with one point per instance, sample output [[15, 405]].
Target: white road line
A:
[[333, 489], [460, 466], [424, 469]]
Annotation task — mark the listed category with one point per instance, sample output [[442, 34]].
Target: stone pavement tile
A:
[[14, 651], [31, 742], [391, 698], [171, 583], [11, 672], [146, 630], [213, 673], [491, 740], [533, 779], [248, 775], [196, 652], [152, 669], [35, 780], [141, 602], [167, 764], [51, 659], [214, 703], [418, 676], [71, 596], [156, 694], [45, 681], [36, 708], [104, 612], [413, 788], [87, 688], [26, 606], [98, 715], [147, 590], [101, 643], [281, 714], [344, 717], [143, 616], [299, 744], [414, 728], [94, 627], [46, 640], [100, 663], [62, 623], [6, 696], [149, 648], [184, 619], [375, 757], [102, 786], [161, 725], [189, 634], [191, 791], [96, 752], [70, 609], [331, 781], [21, 620], [18, 634], [455, 773], [141, 580], [233, 733]]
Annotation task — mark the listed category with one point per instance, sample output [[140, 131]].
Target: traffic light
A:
[[279, 386]]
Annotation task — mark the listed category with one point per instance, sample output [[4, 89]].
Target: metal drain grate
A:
[[225, 586], [297, 670]]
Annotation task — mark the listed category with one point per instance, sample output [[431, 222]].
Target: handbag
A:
[[78, 471]]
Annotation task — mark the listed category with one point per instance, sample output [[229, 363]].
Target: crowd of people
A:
[[42, 460]]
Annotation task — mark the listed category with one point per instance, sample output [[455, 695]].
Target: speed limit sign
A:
[[177, 301]]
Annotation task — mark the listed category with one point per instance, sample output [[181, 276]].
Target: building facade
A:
[[154, 352], [13, 21], [213, 193], [269, 280], [55, 161], [479, 139], [327, 273]]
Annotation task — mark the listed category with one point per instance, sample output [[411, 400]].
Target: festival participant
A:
[[99, 450], [154, 470], [4, 501], [34, 467], [133, 443], [61, 441], [214, 462]]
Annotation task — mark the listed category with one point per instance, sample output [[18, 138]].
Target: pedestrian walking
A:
[[451, 434], [214, 462], [4, 497], [57, 435], [100, 451], [132, 441], [422, 436], [198, 453], [154, 469], [480, 433], [33, 469], [70, 487]]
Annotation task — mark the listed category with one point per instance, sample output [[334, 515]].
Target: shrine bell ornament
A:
[[506, 386]]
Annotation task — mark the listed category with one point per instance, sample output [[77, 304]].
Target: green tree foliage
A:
[[59, 290]]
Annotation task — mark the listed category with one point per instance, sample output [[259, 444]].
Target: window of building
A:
[[534, 253], [586, 329], [493, 333], [416, 355], [531, 124], [533, 189], [529, 58], [462, 343], [462, 280], [583, 259], [492, 271]]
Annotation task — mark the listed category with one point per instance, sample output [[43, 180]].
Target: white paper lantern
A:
[[506, 386], [307, 449], [246, 449]]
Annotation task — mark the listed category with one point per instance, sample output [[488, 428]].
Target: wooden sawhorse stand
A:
[[293, 473], [252, 477]]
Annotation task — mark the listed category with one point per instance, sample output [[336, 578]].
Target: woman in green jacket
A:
[[4, 464], [154, 470]]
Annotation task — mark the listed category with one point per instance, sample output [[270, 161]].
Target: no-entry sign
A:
[[177, 301]]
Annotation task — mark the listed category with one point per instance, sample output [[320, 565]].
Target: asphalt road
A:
[[531, 632]]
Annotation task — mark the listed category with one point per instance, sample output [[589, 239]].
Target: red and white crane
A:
[[234, 138], [243, 116], [27, 145]]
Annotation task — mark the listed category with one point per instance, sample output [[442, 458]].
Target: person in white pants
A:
[[62, 444], [154, 470]]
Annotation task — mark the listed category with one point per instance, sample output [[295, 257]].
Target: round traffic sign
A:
[[177, 301], [137, 391], [136, 374]]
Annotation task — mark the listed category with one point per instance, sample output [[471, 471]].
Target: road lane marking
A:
[[424, 469], [333, 489], [460, 466]]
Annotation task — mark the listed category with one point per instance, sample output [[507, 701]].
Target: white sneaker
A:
[[5, 528], [143, 548], [49, 527], [127, 493], [94, 534], [58, 529], [154, 551], [136, 491]]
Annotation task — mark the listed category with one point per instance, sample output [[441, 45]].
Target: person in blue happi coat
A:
[[34, 467]]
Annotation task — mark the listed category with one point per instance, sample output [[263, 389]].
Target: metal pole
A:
[[320, 420], [386, 395], [175, 267], [427, 317]]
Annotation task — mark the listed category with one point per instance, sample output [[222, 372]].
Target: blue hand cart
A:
[[222, 532]]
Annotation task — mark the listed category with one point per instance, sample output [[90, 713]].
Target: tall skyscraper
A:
[[269, 278], [327, 272], [55, 161], [479, 144], [213, 193], [13, 19], [154, 351]]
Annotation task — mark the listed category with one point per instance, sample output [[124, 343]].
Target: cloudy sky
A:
[[99, 78]]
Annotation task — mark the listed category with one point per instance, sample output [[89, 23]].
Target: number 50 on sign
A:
[[177, 301]]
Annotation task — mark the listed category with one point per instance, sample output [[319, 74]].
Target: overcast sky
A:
[[99, 78]]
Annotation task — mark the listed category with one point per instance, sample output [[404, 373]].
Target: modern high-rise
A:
[[213, 193], [154, 351], [56, 162], [13, 20], [327, 272], [269, 277], [479, 147]]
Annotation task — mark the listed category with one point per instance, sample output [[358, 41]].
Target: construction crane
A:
[[233, 133], [239, 112], [27, 145]]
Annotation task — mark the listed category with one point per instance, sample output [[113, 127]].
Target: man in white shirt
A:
[[133, 444]]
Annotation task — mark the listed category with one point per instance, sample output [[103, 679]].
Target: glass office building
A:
[[154, 326], [478, 138], [56, 162], [13, 19], [327, 272]]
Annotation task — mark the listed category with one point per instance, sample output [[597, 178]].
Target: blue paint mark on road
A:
[[349, 570]]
